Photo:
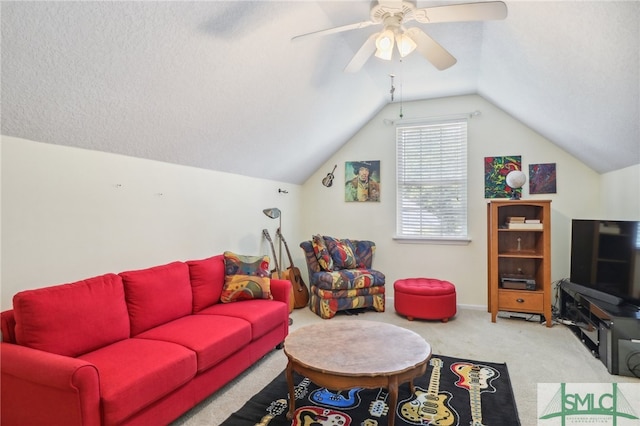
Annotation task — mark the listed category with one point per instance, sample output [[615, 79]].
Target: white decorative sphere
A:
[[516, 179]]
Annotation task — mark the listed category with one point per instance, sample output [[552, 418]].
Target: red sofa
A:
[[139, 347]]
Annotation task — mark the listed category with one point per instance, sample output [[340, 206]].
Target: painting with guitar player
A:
[[362, 181]]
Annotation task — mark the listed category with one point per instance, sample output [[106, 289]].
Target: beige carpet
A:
[[533, 353]]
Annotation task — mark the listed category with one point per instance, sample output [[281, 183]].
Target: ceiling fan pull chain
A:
[[401, 82], [393, 88]]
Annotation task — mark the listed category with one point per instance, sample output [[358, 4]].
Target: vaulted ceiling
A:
[[220, 85]]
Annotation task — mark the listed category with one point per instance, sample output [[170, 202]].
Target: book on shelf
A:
[[523, 225], [516, 219], [532, 221]]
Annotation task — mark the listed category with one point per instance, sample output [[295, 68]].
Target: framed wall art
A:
[[362, 181], [496, 170], [542, 178]]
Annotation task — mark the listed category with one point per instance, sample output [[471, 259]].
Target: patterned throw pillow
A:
[[246, 278], [322, 253], [342, 253]]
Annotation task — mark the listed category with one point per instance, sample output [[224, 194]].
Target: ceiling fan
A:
[[393, 14]]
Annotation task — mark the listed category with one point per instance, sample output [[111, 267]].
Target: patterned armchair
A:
[[341, 277]]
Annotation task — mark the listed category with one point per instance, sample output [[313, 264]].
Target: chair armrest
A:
[[43, 388], [281, 290], [364, 253]]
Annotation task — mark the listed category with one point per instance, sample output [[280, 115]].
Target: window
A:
[[432, 180]]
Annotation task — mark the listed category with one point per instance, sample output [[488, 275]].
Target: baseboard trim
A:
[[473, 307], [390, 299]]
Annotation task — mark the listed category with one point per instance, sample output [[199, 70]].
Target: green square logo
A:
[[601, 404]]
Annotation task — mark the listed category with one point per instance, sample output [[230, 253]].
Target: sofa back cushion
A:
[[207, 279], [72, 319], [363, 251], [8, 326], [157, 295]]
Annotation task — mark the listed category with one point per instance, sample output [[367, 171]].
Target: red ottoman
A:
[[425, 298]]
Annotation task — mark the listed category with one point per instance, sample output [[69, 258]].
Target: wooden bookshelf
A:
[[519, 253]]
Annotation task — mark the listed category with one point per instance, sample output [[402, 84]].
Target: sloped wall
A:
[[70, 214]]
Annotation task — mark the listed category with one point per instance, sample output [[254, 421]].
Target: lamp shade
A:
[[516, 180], [273, 212], [405, 44], [384, 45]]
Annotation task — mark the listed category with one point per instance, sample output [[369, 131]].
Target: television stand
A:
[[592, 293], [610, 331]]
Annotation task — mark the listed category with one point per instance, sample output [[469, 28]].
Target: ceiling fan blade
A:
[[430, 49], [460, 12], [362, 55], [334, 30]]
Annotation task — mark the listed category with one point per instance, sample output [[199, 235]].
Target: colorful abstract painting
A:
[[496, 170], [542, 178]]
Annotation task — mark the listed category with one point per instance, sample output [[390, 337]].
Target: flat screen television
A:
[[605, 257]]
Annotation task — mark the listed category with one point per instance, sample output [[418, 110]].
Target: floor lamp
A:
[[275, 213]]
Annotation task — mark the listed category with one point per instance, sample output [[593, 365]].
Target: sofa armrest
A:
[[281, 290], [43, 388]]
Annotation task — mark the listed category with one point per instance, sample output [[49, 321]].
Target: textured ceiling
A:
[[221, 86]]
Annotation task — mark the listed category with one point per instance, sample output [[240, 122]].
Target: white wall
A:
[[493, 133], [621, 201], [621, 194], [69, 214]]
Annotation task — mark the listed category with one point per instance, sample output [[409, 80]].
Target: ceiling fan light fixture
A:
[[384, 54], [384, 45], [392, 15], [405, 44]]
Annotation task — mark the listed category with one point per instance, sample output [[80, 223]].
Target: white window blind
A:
[[432, 180]]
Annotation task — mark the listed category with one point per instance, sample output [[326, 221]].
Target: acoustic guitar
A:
[[328, 179], [300, 291], [276, 273]]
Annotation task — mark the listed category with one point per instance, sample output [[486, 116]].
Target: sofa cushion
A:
[[342, 253], [72, 319], [246, 277], [212, 337], [347, 279], [157, 295], [135, 373], [322, 253], [263, 315], [207, 279]]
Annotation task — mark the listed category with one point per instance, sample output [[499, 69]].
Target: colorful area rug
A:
[[453, 392]]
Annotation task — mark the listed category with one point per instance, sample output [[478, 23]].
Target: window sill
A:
[[433, 240]]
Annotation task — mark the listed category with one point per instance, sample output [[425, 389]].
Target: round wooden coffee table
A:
[[340, 355]]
